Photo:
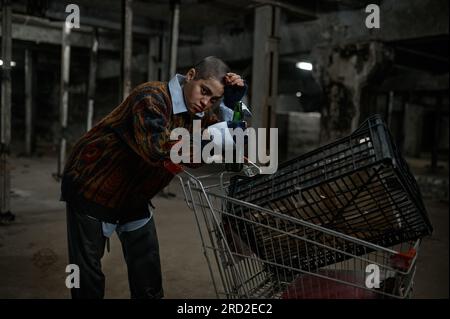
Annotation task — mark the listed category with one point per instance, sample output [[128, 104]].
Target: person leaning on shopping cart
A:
[[116, 168]]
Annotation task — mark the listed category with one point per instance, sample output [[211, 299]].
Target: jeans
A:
[[86, 248]]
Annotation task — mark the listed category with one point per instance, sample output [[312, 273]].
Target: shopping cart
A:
[[344, 221]]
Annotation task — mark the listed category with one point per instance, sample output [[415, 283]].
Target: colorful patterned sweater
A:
[[117, 166]]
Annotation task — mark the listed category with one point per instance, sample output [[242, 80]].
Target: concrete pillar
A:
[[265, 66], [437, 121], [174, 33], [172, 69], [390, 108], [157, 57], [29, 74], [343, 72], [153, 59], [92, 80], [5, 136], [165, 59], [413, 126], [127, 50], [64, 97]]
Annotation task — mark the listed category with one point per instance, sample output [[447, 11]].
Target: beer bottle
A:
[[237, 113], [237, 118]]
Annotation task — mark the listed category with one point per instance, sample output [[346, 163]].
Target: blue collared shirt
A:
[[176, 93], [179, 105], [109, 228]]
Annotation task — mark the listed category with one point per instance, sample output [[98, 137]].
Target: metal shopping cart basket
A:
[[343, 221]]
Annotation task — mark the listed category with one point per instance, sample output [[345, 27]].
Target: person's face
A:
[[200, 95]]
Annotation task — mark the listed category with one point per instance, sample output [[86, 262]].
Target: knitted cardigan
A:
[[117, 166]]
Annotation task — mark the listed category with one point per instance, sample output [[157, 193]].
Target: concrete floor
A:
[[33, 253]]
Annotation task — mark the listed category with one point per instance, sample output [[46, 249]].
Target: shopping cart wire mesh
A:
[[311, 229]]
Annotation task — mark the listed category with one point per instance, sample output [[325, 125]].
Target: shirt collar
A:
[[176, 93]]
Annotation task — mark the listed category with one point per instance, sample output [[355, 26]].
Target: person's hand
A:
[[240, 124], [235, 89], [234, 79]]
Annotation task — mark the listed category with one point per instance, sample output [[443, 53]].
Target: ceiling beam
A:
[[25, 28], [288, 7], [331, 29], [40, 30], [427, 55]]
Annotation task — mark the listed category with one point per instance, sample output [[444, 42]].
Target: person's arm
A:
[[151, 133], [210, 118], [151, 116]]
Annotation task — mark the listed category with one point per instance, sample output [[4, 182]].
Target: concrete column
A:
[[165, 57], [153, 59], [174, 33], [5, 138], [92, 80], [64, 98], [157, 57], [343, 72], [29, 74], [437, 129], [173, 46], [127, 50], [413, 126], [265, 66], [390, 107]]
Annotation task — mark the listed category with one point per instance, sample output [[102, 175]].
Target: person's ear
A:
[[190, 75]]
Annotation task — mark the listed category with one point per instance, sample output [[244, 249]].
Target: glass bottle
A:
[[237, 118]]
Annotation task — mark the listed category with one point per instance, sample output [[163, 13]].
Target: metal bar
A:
[[28, 101], [296, 221], [217, 222], [64, 97], [205, 252], [127, 50], [174, 25], [92, 78], [5, 173], [314, 241]]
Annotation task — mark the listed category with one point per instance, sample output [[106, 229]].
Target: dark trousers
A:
[[86, 248]]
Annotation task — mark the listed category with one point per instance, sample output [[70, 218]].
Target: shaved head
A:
[[211, 68]]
